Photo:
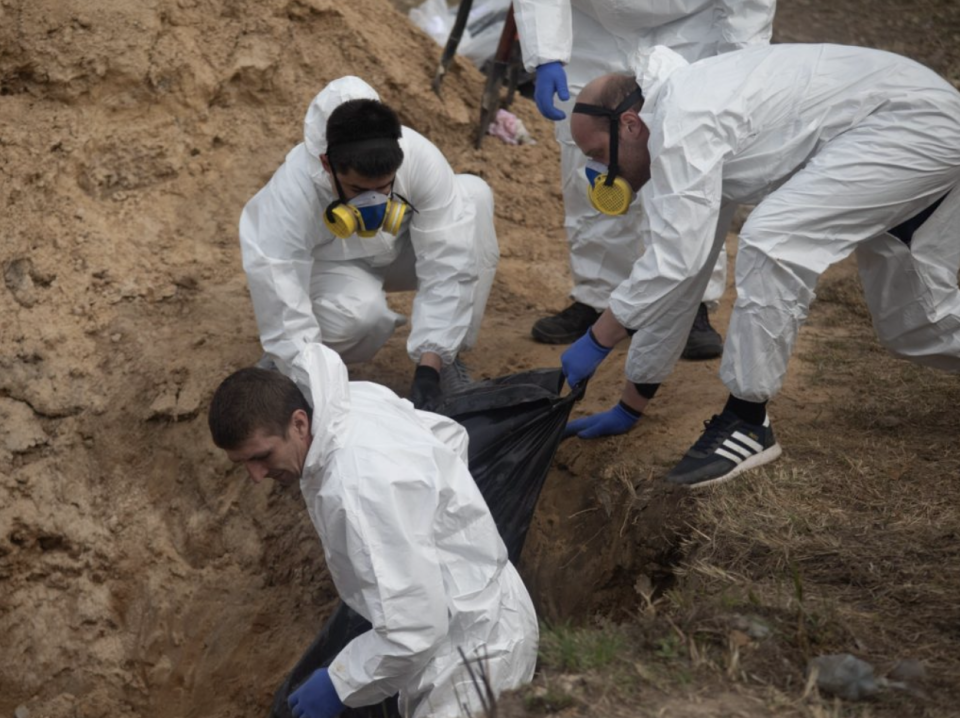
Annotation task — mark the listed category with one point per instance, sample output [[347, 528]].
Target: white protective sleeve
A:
[[443, 233], [744, 22], [667, 283], [279, 229], [545, 31]]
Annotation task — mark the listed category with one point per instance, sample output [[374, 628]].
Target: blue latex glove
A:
[[582, 358], [551, 80], [617, 420], [316, 697]]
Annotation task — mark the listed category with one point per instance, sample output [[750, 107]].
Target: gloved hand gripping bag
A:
[[515, 424]]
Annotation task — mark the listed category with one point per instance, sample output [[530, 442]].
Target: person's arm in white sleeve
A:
[[389, 553], [278, 229], [744, 23], [681, 204], [545, 31], [443, 240]]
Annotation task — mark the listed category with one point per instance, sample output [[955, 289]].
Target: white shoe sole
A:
[[764, 457]]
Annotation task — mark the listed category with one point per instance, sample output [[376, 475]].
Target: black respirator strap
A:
[[614, 116], [337, 202], [405, 201]]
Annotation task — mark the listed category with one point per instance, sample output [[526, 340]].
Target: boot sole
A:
[[542, 338]]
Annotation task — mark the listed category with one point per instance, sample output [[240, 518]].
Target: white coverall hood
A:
[[322, 377], [315, 125], [412, 547]]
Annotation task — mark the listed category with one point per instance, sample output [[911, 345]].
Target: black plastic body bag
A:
[[515, 424]]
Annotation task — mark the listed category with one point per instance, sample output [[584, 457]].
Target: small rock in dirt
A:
[[909, 669], [908, 675], [751, 625], [845, 676], [21, 712], [22, 429], [888, 421]]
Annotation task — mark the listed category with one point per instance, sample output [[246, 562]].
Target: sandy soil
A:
[[140, 573]]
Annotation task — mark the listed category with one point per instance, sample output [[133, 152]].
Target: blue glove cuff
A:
[[549, 66], [628, 411], [597, 345]]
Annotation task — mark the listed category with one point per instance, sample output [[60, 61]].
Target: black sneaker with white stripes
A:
[[727, 447]]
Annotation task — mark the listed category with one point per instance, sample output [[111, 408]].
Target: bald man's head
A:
[[591, 132], [607, 91]]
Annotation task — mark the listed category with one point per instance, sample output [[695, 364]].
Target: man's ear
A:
[[325, 161], [300, 423], [631, 123]]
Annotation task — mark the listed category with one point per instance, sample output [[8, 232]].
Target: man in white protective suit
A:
[[408, 539], [361, 207], [844, 150], [570, 42]]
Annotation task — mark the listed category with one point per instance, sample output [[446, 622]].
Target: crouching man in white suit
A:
[[361, 207], [408, 539]]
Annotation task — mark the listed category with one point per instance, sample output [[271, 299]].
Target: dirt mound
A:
[[141, 574]]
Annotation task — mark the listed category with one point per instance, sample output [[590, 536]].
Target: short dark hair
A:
[[363, 135], [253, 399]]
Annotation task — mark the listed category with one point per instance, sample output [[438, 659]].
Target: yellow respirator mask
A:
[[365, 215], [611, 198], [368, 212], [607, 192]]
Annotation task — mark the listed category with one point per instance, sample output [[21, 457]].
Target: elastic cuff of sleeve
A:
[[598, 345], [647, 391], [427, 373], [631, 411]]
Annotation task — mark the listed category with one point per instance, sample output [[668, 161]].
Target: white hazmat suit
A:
[[411, 547], [836, 146], [309, 286], [597, 37]]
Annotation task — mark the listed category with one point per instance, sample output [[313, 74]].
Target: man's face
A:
[[633, 159], [354, 183], [275, 457]]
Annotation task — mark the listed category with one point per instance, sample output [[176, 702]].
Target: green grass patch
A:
[[577, 650]]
